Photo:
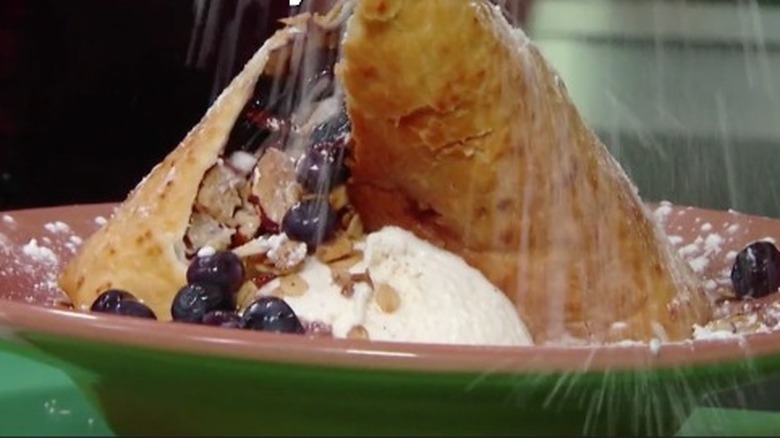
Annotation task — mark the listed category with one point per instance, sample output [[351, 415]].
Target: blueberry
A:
[[222, 318], [134, 308], [312, 221], [109, 300], [223, 269], [334, 130], [322, 167], [271, 314], [195, 300], [756, 270]]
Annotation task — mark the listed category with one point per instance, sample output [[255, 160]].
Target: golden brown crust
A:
[[140, 249], [466, 136]]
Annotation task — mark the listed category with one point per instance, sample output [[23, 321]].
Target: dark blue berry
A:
[[756, 270], [134, 308], [222, 318], [271, 314], [223, 269], [312, 221], [195, 300], [335, 130], [322, 167], [110, 299]]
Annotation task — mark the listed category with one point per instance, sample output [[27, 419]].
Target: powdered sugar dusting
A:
[[662, 212], [31, 265], [39, 253], [100, 220], [8, 219], [57, 227]]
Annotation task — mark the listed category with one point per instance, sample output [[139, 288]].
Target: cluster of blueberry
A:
[[756, 270], [209, 298]]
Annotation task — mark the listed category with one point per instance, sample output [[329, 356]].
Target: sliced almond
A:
[[387, 298], [219, 193], [293, 285], [363, 277], [274, 184], [245, 295], [358, 332], [343, 279], [355, 227], [338, 197], [346, 263], [336, 249]]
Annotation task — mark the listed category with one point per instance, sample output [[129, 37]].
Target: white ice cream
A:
[[442, 299]]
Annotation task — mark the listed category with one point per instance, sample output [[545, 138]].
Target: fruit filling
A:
[[276, 196]]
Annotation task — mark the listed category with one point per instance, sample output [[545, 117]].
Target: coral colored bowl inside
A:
[[148, 377]]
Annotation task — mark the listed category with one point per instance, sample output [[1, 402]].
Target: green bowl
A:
[[153, 378]]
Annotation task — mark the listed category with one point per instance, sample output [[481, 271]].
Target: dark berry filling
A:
[[282, 160]]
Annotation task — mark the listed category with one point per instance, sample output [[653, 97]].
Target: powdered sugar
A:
[[32, 263], [41, 254], [100, 220], [707, 333], [57, 227], [662, 212], [9, 219]]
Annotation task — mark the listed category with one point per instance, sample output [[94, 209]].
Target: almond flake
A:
[[336, 249], [354, 227], [387, 298], [245, 295], [293, 285], [274, 184], [345, 263], [338, 197], [357, 332], [363, 277], [343, 279]]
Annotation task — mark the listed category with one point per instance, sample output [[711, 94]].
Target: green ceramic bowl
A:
[[147, 377]]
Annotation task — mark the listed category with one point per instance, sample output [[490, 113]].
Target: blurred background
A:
[[93, 93]]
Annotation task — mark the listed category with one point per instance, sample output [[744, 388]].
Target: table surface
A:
[[38, 399]]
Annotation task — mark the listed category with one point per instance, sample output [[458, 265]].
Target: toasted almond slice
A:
[[357, 332], [338, 197], [274, 184], [336, 249], [245, 295], [387, 298], [293, 285], [343, 279], [355, 227], [346, 263], [363, 277]]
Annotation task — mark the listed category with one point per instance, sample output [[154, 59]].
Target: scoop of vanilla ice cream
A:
[[439, 297]]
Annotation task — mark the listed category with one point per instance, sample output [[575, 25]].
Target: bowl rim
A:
[[172, 337], [17, 319]]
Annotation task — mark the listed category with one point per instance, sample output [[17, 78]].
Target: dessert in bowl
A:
[[384, 185]]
